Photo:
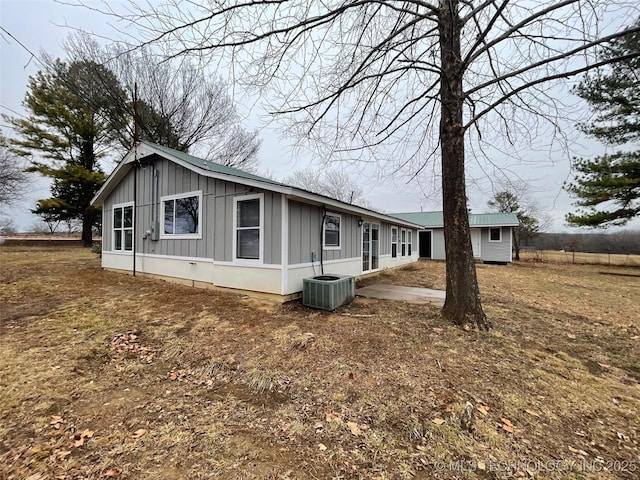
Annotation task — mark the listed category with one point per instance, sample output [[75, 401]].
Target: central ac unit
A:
[[328, 292]]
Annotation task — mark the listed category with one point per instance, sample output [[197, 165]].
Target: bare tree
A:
[[179, 105], [403, 82], [13, 179], [331, 183]]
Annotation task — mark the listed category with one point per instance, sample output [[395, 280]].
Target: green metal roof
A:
[[435, 219], [209, 165]]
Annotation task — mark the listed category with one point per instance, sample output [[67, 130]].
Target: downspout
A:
[[324, 214]]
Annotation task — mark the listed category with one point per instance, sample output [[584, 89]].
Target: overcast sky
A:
[[43, 25]]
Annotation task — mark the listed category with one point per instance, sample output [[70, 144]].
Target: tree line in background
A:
[[625, 242], [80, 111]]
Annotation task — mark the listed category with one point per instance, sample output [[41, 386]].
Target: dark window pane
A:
[[495, 234], [117, 240], [404, 249], [117, 217], [248, 244], [187, 215], [394, 250], [128, 240], [168, 216], [331, 238], [394, 234], [249, 213], [128, 217]]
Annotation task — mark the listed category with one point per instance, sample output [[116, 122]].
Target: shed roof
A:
[[435, 219]]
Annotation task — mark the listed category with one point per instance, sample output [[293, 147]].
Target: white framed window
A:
[[123, 227], [332, 231], [248, 227], [495, 234], [394, 242], [181, 215], [403, 242], [409, 241]]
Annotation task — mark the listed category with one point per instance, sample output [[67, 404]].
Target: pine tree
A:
[[72, 122], [609, 185]]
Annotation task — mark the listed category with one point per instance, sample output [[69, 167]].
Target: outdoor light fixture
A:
[[360, 222]]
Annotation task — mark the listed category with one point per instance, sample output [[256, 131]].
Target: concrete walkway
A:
[[406, 294]]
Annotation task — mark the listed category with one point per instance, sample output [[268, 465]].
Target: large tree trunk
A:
[[462, 304], [516, 243], [87, 230]]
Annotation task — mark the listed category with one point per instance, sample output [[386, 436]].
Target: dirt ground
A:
[[107, 376]]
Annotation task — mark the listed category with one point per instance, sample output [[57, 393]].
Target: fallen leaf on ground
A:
[[322, 446], [35, 476], [507, 426], [483, 409], [532, 412], [355, 430], [481, 465], [57, 421], [439, 421], [334, 417], [139, 433]]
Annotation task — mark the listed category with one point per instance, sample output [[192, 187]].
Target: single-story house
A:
[[491, 235], [173, 215]]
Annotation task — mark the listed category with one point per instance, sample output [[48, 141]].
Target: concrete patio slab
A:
[[400, 293]]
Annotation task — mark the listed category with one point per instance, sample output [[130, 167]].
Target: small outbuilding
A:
[[173, 215], [491, 235]]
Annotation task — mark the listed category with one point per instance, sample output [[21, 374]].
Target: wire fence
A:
[[552, 256]]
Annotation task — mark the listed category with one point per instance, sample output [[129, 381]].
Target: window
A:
[[403, 242], [331, 231], [123, 228], [248, 221], [409, 241], [495, 234], [394, 242], [181, 214]]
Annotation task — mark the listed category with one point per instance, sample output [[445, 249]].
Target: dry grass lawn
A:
[[107, 376]]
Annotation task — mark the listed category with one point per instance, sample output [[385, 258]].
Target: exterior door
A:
[[425, 244], [370, 246]]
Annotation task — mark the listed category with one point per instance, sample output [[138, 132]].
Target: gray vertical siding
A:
[[305, 227], [217, 213], [496, 251]]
